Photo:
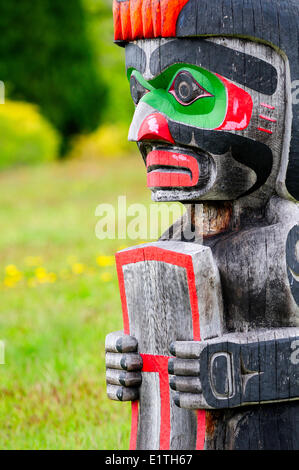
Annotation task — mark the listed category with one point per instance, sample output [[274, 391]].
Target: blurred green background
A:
[[63, 151]]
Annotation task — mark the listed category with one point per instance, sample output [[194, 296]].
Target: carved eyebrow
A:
[[242, 68]]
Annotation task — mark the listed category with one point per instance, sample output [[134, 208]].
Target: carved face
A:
[[210, 117]]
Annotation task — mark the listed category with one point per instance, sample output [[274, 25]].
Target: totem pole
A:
[[209, 355]]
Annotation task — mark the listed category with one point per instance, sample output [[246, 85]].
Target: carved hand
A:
[[185, 374], [123, 366], [236, 370]]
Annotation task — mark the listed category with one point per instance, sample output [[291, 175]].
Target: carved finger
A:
[[190, 401], [183, 367], [187, 349], [118, 342], [185, 384], [126, 379], [129, 362], [122, 393]]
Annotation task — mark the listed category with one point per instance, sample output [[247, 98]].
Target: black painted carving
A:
[[238, 374], [234, 65]]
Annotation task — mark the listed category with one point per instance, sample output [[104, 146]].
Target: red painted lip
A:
[[161, 178]]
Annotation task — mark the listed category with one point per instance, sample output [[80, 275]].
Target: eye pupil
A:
[[186, 90]]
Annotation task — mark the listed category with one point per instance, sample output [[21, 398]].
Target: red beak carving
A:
[[155, 127]]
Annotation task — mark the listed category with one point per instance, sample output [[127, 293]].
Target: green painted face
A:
[[184, 93]]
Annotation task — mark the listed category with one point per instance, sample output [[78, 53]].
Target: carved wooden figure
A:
[[209, 355]]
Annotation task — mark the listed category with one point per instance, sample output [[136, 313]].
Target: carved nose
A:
[[155, 127]]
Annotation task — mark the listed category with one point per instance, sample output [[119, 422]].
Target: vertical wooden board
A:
[[161, 304], [148, 436]]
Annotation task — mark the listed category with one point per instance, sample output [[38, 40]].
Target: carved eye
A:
[[186, 90], [137, 90]]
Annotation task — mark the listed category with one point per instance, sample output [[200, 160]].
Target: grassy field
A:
[[59, 299]]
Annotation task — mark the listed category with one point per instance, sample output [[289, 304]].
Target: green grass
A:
[[52, 385]]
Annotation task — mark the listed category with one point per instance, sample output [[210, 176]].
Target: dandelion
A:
[[41, 274], [9, 282], [105, 261], [13, 275], [43, 277], [11, 270]]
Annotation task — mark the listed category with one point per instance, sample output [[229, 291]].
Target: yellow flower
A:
[[9, 282], [43, 277], [105, 261], [13, 275], [78, 268], [106, 277], [41, 273], [11, 270]]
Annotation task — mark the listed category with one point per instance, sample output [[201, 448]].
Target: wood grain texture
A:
[[216, 319]]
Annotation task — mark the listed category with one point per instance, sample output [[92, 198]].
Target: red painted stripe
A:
[[267, 106], [267, 118], [264, 130], [134, 425], [201, 429]]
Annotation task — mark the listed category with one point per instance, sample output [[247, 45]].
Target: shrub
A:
[[25, 135], [108, 141]]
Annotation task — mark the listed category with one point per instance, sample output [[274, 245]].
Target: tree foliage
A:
[[46, 58]]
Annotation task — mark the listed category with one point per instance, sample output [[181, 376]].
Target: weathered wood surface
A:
[[216, 123]]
